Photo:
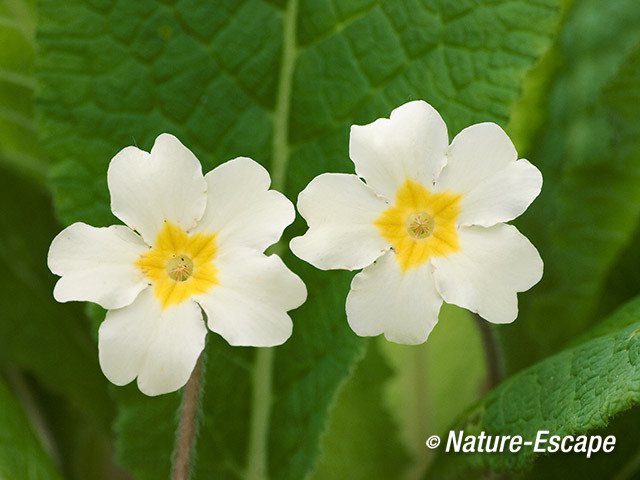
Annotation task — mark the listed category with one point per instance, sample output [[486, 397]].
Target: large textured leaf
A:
[[281, 82], [21, 454], [590, 203], [575, 391], [18, 133]]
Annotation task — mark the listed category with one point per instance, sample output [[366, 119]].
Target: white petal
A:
[[97, 265], [482, 165], [240, 207], [493, 264], [410, 144], [158, 346], [123, 339], [402, 305], [149, 188], [177, 342], [249, 305], [340, 210]]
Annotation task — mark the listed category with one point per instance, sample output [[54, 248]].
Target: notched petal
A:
[[410, 144], [148, 189], [97, 265], [241, 209], [340, 211]]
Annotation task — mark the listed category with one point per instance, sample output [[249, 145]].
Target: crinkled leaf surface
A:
[[22, 457], [573, 392], [281, 82], [589, 155]]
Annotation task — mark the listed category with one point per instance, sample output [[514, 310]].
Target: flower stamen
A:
[[420, 225], [180, 268]]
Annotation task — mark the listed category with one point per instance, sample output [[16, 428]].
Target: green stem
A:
[[257, 466], [261, 408], [283, 97], [188, 427]]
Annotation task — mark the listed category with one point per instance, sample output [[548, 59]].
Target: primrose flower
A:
[[192, 243], [426, 226]]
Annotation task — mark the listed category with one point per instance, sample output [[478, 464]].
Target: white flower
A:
[[198, 247], [426, 227]]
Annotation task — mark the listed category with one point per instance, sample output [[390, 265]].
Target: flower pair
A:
[[426, 226]]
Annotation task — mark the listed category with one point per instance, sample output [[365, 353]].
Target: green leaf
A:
[[50, 342], [18, 133], [623, 278], [22, 457], [281, 82], [590, 203], [145, 427], [362, 440], [578, 390], [83, 443], [427, 394], [622, 96], [36, 332], [621, 464]]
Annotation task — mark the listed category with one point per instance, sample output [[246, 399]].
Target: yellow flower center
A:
[[420, 224], [180, 265]]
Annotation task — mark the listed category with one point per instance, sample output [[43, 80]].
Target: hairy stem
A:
[[491, 352], [187, 429]]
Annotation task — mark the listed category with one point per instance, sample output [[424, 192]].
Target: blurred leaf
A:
[[623, 279], [362, 440], [145, 430], [573, 392], [622, 96], [590, 202], [18, 133], [280, 82], [21, 454], [85, 447], [47, 339], [427, 393]]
